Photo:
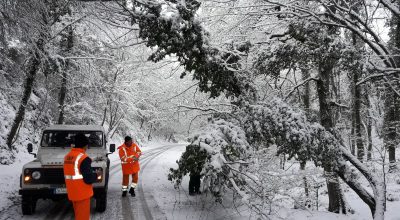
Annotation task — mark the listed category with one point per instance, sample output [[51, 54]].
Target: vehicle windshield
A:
[[66, 138]]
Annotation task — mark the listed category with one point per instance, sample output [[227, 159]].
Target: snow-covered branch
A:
[[299, 85]]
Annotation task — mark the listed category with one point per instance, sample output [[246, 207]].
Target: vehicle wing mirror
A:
[[30, 149], [112, 148]]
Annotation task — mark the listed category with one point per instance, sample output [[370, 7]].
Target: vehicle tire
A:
[[106, 181], [101, 202], [28, 205]]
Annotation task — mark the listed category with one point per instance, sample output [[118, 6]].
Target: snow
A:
[[169, 12], [242, 164], [176, 203], [166, 202], [9, 181]]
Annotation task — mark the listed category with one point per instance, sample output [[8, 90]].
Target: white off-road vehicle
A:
[[43, 178]]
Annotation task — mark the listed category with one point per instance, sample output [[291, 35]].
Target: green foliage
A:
[[277, 123], [214, 152], [273, 63], [180, 34], [191, 162], [228, 151], [302, 44]]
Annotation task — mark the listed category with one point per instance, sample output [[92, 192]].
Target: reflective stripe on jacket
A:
[[77, 189], [129, 158]]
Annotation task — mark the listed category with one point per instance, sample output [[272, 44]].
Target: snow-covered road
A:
[[156, 197], [143, 206]]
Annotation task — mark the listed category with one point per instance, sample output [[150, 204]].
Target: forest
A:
[[277, 99]]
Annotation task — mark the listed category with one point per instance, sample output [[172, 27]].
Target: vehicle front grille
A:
[[53, 176], [49, 176]]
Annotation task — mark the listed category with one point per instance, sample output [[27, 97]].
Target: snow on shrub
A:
[[221, 148]]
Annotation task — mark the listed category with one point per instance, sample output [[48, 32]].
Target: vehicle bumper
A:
[[50, 192], [41, 193]]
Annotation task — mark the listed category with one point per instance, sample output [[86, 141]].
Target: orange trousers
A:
[[125, 179], [82, 209]]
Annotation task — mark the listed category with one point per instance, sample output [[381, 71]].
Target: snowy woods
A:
[[72, 62], [281, 100]]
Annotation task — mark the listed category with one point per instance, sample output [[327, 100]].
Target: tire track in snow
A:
[[126, 202], [57, 212], [144, 200], [146, 154], [145, 208], [128, 212]]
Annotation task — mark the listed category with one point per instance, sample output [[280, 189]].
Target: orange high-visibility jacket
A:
[[129, 158], [77, 189]]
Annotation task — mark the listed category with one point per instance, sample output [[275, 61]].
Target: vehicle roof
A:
[[75, 128]]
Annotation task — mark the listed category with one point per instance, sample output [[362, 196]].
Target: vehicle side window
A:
[[45, 140]]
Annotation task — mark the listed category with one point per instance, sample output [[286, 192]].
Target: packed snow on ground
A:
[[170, 203]]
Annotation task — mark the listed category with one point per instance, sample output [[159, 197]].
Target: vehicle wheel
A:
[[28, 205], [106, 183], [101, 202]]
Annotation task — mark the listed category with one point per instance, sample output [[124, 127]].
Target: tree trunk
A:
[[357, 95], [377, 203], [306, 103], [3, 40], [69, 39], [306, 92], [141, 123], [357, 116], [357, 187], [305, 181], [392, 101], [369, 128], [110, 104], [336, 200], [390, 124], [62, 95], [104, 115], [33, 67], [283, 161], [149, 136], [352, 134]]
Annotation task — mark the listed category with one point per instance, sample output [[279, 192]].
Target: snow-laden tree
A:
[[232, 148], [364, 20], [26, 33], [169, 24], [93, 69]]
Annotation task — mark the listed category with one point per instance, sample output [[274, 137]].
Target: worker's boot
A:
[[132, 192], [132, 189], [124, 190]]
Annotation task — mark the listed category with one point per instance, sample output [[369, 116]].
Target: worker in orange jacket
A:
[[79, 177], [129, 154]]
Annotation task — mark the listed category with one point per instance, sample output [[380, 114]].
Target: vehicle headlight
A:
[[27, 176], [99, 172], [36, 175]]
